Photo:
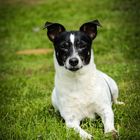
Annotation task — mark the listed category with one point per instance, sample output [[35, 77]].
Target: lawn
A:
[[26, 81]]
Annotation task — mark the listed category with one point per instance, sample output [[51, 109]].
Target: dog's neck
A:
[[86, 70]]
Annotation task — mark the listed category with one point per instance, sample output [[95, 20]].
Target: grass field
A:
[[26, 81]]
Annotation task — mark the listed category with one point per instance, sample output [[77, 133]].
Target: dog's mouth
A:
[[73, 69]]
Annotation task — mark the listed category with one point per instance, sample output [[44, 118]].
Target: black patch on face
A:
[[64, 47], [83, 46]]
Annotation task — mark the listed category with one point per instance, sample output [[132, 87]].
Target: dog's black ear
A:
[[90, 28], [54, 29]]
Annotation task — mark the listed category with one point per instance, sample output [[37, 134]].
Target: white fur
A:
[[81, 94], [72, 37]]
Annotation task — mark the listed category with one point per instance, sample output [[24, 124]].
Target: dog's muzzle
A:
[[73, 64], [73, 61]]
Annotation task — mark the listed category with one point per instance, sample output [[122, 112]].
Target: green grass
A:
[[26, 81]]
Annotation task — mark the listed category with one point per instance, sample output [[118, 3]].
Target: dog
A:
[[80, 89]]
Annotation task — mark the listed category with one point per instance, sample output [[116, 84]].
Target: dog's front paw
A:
[[85, 136], [114, 134]]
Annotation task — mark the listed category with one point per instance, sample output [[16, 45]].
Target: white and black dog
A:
[[80, 89]]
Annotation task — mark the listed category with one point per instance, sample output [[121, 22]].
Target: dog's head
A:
[[72, 48]]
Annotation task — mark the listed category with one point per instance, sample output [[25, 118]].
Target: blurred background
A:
[[27, 71]]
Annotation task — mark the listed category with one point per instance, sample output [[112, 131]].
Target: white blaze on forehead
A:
[[72, 37]]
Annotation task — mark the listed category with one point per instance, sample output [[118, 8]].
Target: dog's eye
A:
[[82, 47], [65, 47]]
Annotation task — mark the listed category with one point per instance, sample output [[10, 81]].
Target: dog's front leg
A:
[[107, 116], [76, 126]]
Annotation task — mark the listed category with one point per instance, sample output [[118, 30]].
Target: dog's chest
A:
[[76, 95]]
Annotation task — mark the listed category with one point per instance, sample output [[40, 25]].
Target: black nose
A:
[[73, 61]]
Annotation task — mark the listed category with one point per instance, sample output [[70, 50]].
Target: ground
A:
[[26, 81]]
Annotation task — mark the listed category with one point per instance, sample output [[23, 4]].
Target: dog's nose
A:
[[73, 61]]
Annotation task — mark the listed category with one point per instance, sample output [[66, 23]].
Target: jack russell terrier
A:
[[80, 89]]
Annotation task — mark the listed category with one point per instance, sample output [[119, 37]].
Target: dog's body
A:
[[80, 89]]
